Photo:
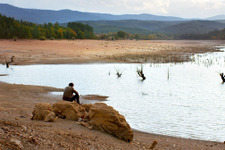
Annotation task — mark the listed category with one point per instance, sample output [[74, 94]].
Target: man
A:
[[68, 94]]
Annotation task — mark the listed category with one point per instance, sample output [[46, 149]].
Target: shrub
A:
[[15, 38], [52, 38], [42, 38]]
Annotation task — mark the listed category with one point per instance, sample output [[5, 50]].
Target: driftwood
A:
[[9, 62], [153, 144]]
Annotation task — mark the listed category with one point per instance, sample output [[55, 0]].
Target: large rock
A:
[[94, 116], [43, 111], [105, 118], [68, 110]]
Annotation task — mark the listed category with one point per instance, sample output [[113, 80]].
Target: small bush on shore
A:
[[15, 38], [42, 38], [52, 38]]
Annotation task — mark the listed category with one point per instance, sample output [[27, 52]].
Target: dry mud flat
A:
[[18, 131], [92, 51]]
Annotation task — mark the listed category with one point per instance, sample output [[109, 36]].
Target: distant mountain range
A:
[[105, 23], [62, 16], [218, 17]]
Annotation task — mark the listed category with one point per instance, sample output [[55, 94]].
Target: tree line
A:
[[11, 28], [121, 35], [213, 35]]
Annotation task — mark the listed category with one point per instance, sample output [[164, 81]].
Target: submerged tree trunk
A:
[[9, 62], [140, 73], [222, 77]]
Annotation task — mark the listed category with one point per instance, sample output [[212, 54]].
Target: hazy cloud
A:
[[181, 8]]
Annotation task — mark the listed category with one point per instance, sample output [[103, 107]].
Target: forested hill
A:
[[193, 27], [11, 28], [166, 27]]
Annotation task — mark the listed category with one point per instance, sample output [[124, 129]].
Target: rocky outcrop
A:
[[97, 116], [43, 111], [105, 118], [68, 110]]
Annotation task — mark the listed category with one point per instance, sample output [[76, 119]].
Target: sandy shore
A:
[[17, 101]]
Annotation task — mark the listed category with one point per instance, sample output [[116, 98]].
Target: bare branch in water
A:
[[168, 74], [119, 73], [222, 77], [140, 73]]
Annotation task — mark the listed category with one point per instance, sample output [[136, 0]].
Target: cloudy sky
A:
[[179, 8]]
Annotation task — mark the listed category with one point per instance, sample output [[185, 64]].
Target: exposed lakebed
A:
[[183, 99]]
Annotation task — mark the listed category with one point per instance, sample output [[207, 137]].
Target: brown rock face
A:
[[94, 116], [43, 111], [105, 118], [68, 110]]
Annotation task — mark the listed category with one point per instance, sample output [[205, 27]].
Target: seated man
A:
[[68, 94]]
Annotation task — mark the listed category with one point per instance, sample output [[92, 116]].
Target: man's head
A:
[[71, 84]]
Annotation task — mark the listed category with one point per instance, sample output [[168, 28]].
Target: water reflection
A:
[[183, 99]]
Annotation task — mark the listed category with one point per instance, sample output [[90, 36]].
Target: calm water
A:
[[184, 100]]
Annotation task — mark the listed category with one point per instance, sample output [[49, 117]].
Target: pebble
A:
[[24, 128], [16, 143], [1, 131]]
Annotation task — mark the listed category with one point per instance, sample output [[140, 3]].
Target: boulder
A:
[[87, 106], [105, 118], [43, 111], [50, 117], [68, 110]]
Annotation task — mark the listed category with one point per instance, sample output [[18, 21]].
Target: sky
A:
[[178, 8]]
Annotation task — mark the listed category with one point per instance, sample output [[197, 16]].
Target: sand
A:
[[17, 101]]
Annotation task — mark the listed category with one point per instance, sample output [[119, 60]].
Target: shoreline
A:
[[12, 113], [17, 100], [99, 98]]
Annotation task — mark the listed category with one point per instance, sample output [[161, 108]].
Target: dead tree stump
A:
[[9, 62], [222, 77]]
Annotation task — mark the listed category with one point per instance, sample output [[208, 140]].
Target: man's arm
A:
[[75, 92]]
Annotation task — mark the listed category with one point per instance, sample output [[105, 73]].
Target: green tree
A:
[[80, 35], [82, 30], [121, 35], [59, 33]]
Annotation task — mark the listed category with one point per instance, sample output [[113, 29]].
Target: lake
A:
[[177, 99]]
